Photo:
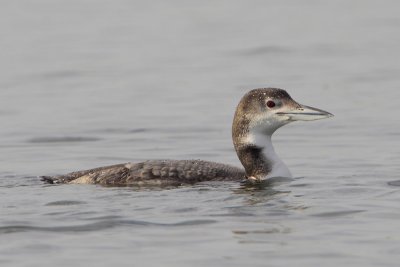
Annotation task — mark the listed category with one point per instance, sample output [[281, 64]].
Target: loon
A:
[[258, 115]]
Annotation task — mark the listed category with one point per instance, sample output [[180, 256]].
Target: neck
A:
[[257, 155]]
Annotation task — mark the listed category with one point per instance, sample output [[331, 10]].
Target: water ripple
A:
[[394, 183], [265, 50], [62, 139], [65, 203], [100, 225], [337, 213]]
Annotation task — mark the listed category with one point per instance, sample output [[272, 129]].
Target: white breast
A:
[[278, 168]]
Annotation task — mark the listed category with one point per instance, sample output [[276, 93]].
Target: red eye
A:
[[270, 104]]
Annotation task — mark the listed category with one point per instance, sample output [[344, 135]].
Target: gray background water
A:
[[92, 83]]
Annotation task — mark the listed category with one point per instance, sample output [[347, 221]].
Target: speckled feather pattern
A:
[[153, 172]]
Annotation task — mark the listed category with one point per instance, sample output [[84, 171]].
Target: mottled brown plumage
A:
[[152, 172]]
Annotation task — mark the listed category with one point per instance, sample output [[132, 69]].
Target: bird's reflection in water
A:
[[264, 191], [270, 200]]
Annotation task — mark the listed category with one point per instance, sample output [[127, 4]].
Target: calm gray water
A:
[[92, 83]]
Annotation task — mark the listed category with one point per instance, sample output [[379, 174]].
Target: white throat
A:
[[262, 140]]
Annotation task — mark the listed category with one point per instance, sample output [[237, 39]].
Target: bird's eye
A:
[[271, 104]]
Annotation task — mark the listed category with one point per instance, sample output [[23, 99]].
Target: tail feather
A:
[[48, 179]]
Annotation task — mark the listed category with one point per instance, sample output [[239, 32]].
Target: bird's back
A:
[[153, 172]]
